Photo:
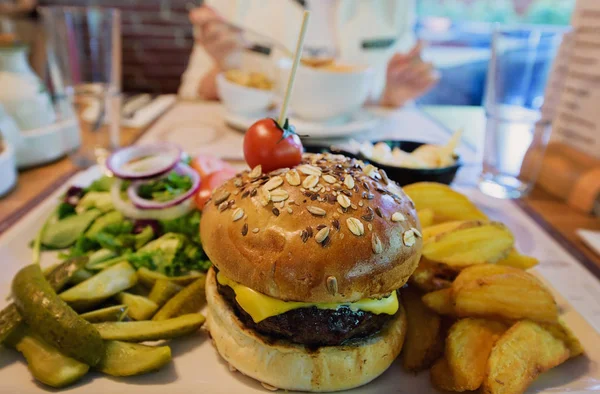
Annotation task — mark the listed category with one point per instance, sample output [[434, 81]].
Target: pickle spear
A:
[[111, 313], [148, 277], [140, 308], [57, 277], [128, 359], [140, 331], [101, 286], [188, 300], [163, 290], [52, 319], [45, 362]]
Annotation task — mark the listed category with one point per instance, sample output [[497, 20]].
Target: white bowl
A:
[[8, 169], [323, 95], [241, 99]]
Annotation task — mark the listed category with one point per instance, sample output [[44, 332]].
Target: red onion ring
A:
[[142, 203], [158, 158]]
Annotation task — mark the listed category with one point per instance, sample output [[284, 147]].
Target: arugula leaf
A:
[[165, 189], [188, 225], [65, 210]]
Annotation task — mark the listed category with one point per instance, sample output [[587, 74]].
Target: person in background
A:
[[20, 18], [377, 33]]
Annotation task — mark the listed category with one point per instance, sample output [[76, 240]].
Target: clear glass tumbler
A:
[[519, 68], [84, 60]]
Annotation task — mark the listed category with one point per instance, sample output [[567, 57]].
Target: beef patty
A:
[[312, 327]]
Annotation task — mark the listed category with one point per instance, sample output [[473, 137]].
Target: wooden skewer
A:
[[297, 56]]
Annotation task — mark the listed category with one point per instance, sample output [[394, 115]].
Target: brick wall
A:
[[157, 41]]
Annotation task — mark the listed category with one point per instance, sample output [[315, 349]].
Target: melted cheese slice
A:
[[260, 306]]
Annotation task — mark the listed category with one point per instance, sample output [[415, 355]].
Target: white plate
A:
[[359, 122], [197, 368]]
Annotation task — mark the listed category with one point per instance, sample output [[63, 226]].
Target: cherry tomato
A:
[[263, 144], [207, 164], [210, 183]]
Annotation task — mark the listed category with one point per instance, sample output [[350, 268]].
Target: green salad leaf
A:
[[165, 189]]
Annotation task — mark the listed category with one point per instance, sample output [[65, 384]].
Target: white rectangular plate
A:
[[197, 368]]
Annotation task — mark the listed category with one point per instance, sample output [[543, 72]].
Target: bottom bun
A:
[[289, 366]]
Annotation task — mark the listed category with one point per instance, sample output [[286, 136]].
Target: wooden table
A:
[[553, 215]]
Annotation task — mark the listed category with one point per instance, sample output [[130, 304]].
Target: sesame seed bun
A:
[[329, 230], [283, 365]]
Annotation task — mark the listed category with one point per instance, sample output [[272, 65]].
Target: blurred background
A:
[[158, 38]]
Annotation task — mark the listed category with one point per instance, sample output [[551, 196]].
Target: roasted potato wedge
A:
[[468, 346], [519, 356], [517, 260], [424, 342], [430, 276], [447, 204], [502, 292], [470, 243], [440, 301], [425, 217], [561, 331], [441, 376], [437, 229]]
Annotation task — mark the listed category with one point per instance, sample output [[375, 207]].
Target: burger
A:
[[308, 263]]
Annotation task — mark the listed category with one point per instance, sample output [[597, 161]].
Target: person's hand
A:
[[218, 39], [407, 78]]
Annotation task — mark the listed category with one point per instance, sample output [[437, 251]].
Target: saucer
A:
[[359, 122]]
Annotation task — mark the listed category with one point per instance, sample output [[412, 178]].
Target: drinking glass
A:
[[84, 61], [519, 67]]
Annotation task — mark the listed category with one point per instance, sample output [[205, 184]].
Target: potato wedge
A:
[[425, 217], [437, 229], [440, 301], [446, 203], [502, 292], [430, 276], [468, 346], [519, 356], [561, 331], [517, 260], [471, 243], [441, 376], [424, 343]]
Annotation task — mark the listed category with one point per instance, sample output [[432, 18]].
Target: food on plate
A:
[[424, 341], [524, 351], [441, 301], [210, 183], [45, 362], [139, 226], [497, 291], [163, 290], [473, 242], [425, 156], [431, 276], [110, 313], [468, 346], [52, 319], [100, 287], [57, 277], [426, 217], [561, 331], [188, 300], [139, 307], [271, 145], [140, 331], [205, 165], [129, 359], [455, 206], [327, 64], [249, 79], [518, 260], [308, 262]]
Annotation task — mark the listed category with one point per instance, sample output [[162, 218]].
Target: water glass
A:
[[519, 68], [84, 61]]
